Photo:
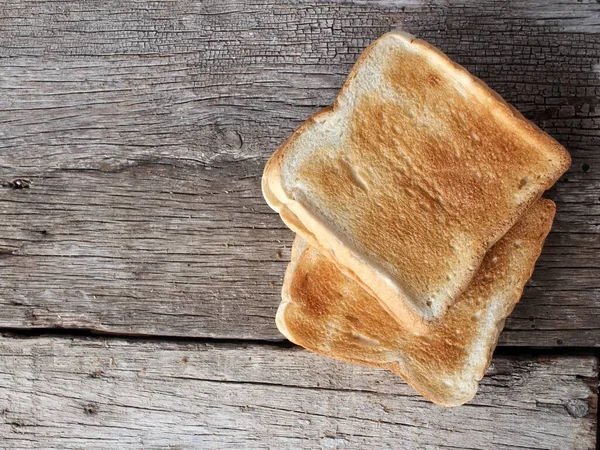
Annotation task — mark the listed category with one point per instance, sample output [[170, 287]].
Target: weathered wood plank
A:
[[99, 394], [143, 128]]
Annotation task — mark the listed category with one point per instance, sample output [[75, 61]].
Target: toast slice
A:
[[329, 313], [411, 176]]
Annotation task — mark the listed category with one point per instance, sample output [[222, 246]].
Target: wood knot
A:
[[17, 183], [232, 139], [91, 409], [577, 408]]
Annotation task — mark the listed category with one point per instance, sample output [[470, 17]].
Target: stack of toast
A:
[[416, 199]]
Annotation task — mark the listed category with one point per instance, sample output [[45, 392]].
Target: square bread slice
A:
[[328, 313], [411, 176]]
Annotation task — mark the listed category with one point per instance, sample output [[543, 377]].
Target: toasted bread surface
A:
[[328, 313], [411, 176]]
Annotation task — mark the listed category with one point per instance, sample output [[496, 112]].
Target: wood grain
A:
[[98, 394], [143, 129]]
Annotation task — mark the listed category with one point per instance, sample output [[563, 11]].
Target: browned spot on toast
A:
[[433, 79], [312, 288]]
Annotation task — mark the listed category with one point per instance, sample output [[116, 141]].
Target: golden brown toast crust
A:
[[328, 313], [431, 169]]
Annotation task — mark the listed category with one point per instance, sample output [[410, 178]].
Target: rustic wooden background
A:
[[132, 141]]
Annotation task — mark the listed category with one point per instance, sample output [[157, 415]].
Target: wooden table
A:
[[141, 269]]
